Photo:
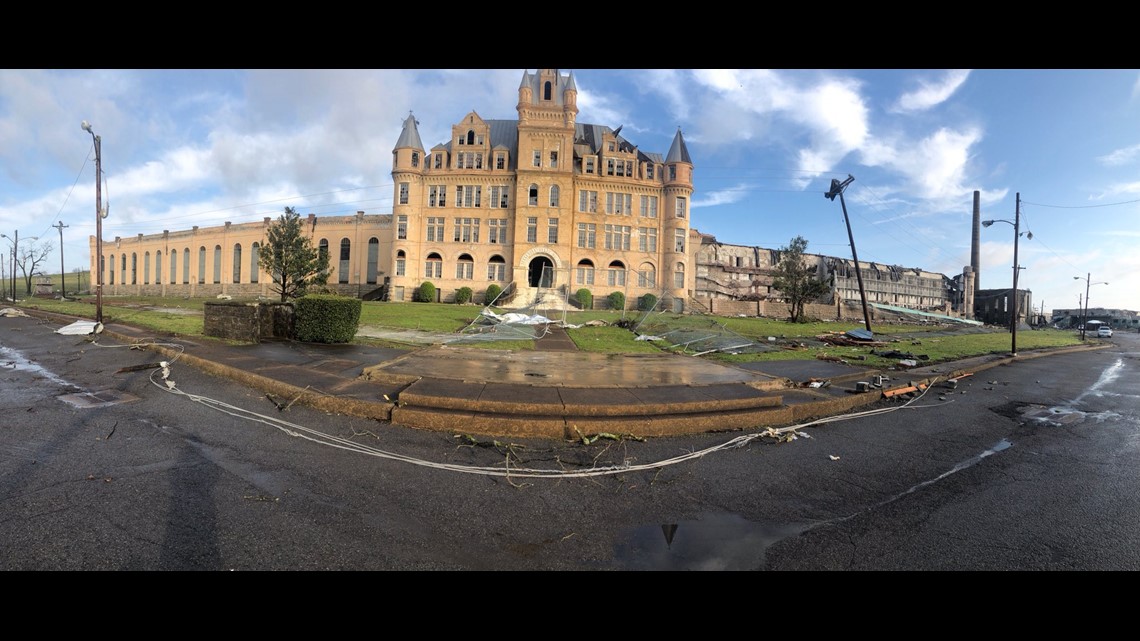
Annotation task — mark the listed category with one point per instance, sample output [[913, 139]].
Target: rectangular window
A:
[[647, 239], [537, 158], [497, 231], [681, 202], [672, 172], [619, 204], [679, 244], [617, 237], [617, 277], [438, 161], [552, 231], [585, 275], [469, 196], [402, 227], [403, 193], [679, 279], [609, 166], [496, 271], [401, 266], [620, 168], [587, 235], [554, 160], [649, 206], [435, 229], [459, 195], [629, 168], [649, 171], [589, 165], [500, 161], [464, 270], [588, 201], [646, 278], [466, 230], [532, 230], [478, 161], [434, 268]]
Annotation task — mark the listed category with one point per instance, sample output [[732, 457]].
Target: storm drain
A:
[[102, 398]]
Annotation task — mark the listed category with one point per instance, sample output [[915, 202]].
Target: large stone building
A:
[[542, 202], [739, 272]]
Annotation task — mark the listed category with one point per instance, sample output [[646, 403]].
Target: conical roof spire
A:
[[678, 152], [410, 136]]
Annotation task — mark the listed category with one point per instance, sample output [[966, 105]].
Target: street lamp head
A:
[[987, 223], [1028, 235], [87, 127]]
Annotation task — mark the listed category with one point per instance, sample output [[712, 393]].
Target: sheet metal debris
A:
[[81, 328]]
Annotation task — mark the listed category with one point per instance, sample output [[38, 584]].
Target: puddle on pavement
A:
[[712, 542], [12, 359], [103, 398]]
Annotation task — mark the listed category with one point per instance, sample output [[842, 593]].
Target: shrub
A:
[[491, 294], [585, 298], [617, 300], [647, 302], [425, 293], [463, 295], [322, 318]]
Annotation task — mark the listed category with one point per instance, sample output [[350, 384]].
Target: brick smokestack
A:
[[975, 243]]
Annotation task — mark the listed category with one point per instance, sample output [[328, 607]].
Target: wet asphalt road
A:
[[1033, 467]]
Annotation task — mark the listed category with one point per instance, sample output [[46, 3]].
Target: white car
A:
[[1104, 332]]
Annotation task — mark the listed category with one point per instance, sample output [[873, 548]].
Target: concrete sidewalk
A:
[[549, 394]]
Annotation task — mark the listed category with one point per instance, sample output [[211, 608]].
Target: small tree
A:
[[585, 298], [463, 295], [290, 258], [795, 280], [30, 258]]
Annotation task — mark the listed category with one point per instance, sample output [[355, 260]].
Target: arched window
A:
[[174, 267], [202, 265], [415, 159], [679, 276], [134, 268], [254, 259], [433, 267], [146, 268], [647, 275], [534, 195], [471, 136], [546, 91], [616, 274], [496, 268], [401, 263], [373, 259], [323, 249], [123, 269], [465, 267], [217, 264], [342, 268], [112, 269], [158, 268], [237, 263], [554, 195], [186, 266], [585, 272]]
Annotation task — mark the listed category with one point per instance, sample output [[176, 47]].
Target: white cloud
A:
[[721, 197], [931, 94], [1120, 156]]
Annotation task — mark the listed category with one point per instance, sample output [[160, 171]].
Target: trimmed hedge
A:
[[617, 300], [647, 302], [425, 293], [463, 295], [325, 318], [491, 294], [585, 298]]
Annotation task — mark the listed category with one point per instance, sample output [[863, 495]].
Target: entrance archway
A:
[[540, 272]]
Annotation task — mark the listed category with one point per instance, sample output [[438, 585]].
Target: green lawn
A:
[[183, 316]]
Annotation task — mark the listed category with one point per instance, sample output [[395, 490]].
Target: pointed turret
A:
[[410, 136], [678, 152]]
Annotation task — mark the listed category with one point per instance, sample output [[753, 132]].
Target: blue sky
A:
[[202, 147]]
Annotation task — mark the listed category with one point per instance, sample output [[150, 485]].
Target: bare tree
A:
[[30, 258]]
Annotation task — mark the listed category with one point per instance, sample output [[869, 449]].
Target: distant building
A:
[[1115, 318], [995, 306]]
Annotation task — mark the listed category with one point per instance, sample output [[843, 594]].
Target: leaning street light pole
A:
[[1013, 319], [837, 190], [99, 214], [62, 274]]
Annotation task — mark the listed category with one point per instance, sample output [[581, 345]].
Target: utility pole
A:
[[1016, 269], [837, 190], [62, 274]]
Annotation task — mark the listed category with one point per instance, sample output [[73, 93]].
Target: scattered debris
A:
[[12, 311], [908, 362], [137, 368], [903, 390], [81, 328], [833, 457]]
